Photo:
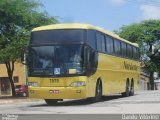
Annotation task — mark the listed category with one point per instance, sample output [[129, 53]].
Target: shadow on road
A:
[[80, 101]]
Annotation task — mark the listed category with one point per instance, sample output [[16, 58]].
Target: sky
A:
[[108, 14]]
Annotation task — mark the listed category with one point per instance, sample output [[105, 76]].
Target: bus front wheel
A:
[[51, 101], [98, 92]]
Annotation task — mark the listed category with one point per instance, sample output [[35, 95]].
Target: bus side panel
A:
[[113, 73]]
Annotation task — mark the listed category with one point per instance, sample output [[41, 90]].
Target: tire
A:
[[127, 91], [51, 101], [98, 92], [131, 93]]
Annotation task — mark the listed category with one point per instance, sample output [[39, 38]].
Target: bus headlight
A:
[[78, 83], [34, 84]]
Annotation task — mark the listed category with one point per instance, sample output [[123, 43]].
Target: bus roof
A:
[[81, 26]]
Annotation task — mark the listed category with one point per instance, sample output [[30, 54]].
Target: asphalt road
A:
[[144, 102]]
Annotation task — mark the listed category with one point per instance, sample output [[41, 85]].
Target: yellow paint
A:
[[64, 92]]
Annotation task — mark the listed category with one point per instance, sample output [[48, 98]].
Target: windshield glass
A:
[[55, 60], [57, 36]]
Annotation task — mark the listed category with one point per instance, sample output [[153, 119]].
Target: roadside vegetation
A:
[[17, 19]]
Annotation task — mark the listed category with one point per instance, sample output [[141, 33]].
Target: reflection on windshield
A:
[[56, 60]]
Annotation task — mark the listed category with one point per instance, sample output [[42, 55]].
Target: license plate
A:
[[54, 91]]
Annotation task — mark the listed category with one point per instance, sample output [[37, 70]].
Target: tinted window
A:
[[134, 52], [57, 36], [124, 49], [109, 45], [55, 60], [117, 47], [100, 42], [91, 38], [129, 51], [16, 79], [137, 54]]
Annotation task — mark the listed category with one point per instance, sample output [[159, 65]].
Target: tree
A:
[[147, 35], [17, 18]]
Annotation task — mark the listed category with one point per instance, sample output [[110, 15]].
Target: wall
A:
[[18, 72]]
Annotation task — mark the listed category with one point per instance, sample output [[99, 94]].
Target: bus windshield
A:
[[56, 60]]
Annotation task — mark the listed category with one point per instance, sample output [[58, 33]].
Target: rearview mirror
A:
[[23, 54]]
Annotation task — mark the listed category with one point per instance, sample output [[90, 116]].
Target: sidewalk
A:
[[10, 100]]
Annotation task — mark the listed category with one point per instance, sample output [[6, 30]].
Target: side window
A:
[[16, 79], [109, 45], [129, 51], [117, 47], [137, 54], [134, 52], [91, 41], [100, 42], [124, 49], [91, 60]]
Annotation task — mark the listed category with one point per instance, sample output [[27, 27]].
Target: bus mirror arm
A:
[[23, 56]]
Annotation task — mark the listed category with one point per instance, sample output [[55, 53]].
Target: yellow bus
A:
[[73, 61]]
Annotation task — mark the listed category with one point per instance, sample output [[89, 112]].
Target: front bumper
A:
[[61, 92]]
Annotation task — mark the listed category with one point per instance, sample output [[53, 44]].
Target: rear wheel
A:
[[51, 101], [132, 88], [127, 91]]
